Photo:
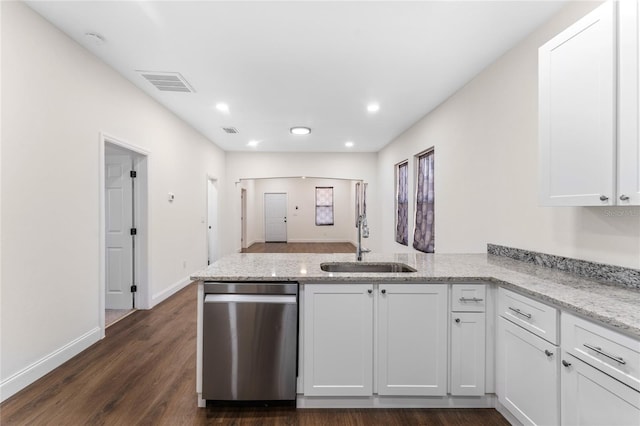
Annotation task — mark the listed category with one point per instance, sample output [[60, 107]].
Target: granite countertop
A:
[[615, 306]]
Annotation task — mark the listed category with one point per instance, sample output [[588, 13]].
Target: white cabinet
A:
[[467, 353], [527, 359], [628, 108], [588, 111], [592, 398], [468, 337], [600, 375], [412, 339], [527, 375], [338, 339]]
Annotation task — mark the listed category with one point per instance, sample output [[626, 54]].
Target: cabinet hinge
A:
[[134, 288], [133, 174], [134, 231]]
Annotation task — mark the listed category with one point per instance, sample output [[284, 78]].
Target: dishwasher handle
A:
[[250, 298]]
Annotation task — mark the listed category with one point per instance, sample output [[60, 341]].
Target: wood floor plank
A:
[[143, 373]]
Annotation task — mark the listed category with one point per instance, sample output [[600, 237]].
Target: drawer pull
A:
[[519, 312], [566, 363], [547, 352], [472, 299], [618, 359]]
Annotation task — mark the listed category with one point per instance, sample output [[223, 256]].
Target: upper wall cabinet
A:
[[588, 111]]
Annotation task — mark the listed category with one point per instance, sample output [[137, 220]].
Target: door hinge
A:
[[134, 231], [134, 288], [133, 174]]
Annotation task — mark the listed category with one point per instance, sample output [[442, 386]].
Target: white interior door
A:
[[275, 217], [118, 223], [212, 220]]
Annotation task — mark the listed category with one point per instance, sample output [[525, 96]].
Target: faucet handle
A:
[[365, 233]]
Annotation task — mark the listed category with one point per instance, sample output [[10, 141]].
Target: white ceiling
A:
[[279, 64]]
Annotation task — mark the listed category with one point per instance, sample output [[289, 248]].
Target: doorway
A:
[[275, 217], [243, 220], [212, 221], [123, 230]]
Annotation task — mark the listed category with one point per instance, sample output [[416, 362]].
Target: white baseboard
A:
[[376, 401], [507, 414], [33, 372], [166, 293]]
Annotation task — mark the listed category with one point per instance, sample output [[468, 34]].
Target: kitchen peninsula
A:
[[478, 291]]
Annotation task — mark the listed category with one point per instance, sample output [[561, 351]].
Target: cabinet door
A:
[[577, 112], [592, 398], [412, 339], [629, 111], [467, 353], [527, 375], [338, 340]]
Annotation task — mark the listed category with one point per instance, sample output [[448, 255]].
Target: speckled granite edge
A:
[[611, 274]]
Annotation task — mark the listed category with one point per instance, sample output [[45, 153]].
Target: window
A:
[[324, 205], [423, 237], [402, 201]]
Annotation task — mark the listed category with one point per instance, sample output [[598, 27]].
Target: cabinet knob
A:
[[624, 197], [565, 363], [458, 320], [547, 352], [603, 198], [384, 291], [369, 291]]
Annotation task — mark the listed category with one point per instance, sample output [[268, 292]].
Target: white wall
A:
[[301, 225], [243, 168], [56, 100], [486, 168]]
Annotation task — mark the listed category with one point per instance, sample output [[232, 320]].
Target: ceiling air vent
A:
[[230, 129], [167, 81]]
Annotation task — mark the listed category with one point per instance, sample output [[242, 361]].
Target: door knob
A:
[[603, 198], [565, 363], [384, 291], [458, 320], [547, 352], [624, 197], [369, 291]]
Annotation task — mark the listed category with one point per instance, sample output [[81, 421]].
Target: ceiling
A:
[[279, 64]]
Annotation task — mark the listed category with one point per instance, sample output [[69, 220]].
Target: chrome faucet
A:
[[363, 231]]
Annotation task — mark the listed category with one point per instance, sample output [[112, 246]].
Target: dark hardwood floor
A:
[[143, 373], [300, 248]]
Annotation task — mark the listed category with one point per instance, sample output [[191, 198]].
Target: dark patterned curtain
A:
[[402, 218], [423, 238]]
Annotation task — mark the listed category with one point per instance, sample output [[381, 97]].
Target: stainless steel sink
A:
[[372, 267]]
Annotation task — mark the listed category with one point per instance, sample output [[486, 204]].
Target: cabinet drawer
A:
[[538, 318], [613, 353], [468, 297]]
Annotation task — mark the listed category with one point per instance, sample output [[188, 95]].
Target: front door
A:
[[118, 223], [275, 217]]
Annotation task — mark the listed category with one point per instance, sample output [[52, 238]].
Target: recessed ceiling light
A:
[[300, 130], [373, 107], [348, 144], [222, 107], [253, 143]]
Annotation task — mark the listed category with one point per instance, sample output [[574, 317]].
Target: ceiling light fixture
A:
[[300, 130], [348, 144], [253, 143], [222, 107], [373, 107]]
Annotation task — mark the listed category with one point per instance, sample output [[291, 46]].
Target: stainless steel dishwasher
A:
[[250, 341]]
